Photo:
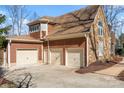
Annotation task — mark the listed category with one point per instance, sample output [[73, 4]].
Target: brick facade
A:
[[90, 50], [67, 43], [20, 45], [35, 35]]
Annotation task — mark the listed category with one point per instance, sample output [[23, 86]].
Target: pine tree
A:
[[3, 31]]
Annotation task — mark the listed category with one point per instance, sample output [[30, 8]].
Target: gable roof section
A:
[[75, 22]]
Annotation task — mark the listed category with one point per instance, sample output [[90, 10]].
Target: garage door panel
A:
[[29, 56], [56, 56], [75, 57]]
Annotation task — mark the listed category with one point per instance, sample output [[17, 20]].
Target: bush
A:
[[120, 51], [116, 59]]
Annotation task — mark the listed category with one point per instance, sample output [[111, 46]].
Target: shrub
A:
[[122, 52], [119, 51]]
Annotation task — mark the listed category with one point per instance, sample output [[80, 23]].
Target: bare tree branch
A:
[[17, 13]]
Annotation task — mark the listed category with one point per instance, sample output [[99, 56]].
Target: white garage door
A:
[[56, 56], [74, 58], [26, 56]]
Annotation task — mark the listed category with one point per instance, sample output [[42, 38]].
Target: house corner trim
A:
[[9, 43]]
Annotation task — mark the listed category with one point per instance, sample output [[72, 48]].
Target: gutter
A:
[[87, 50], [38, 21], [66, 36], [23, 40]]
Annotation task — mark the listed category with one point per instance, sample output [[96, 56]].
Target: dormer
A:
[[38, 28], [44, 29]]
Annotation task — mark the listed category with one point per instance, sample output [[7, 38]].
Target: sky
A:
[[42, 10], [53, 10], [46, 10]]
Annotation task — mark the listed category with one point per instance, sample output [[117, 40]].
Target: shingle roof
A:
[[74, 22]]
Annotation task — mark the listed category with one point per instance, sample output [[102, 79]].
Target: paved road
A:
[[60, 76]]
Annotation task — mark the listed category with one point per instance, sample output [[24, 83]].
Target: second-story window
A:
[[100, 28], [34, 28]]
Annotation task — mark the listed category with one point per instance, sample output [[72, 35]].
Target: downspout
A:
[[9, 44], [87, 50], [49, 55]]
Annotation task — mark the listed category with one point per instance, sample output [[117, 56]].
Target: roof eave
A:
[[38, 21], [24, 40], [67, 36]]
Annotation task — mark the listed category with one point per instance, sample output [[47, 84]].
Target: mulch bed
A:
[[3, 81], [121, 76], [96, 66], [117, 59]]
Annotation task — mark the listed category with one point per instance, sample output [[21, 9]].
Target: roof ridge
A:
[[73, 11], [79, 9]]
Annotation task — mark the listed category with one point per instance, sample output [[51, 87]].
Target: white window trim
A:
[[34, 27], [100, 29]]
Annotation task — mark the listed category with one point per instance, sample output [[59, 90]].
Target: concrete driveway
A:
[[52, 76]]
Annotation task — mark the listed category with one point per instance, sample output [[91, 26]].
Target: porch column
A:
[[9, 53], [42, 54], [49, 53], [4, 58]]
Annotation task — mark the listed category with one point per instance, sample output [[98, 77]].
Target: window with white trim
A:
[[101, 48], [34, 28], [100, 28]]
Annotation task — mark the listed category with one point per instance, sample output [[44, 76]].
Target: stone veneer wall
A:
[[95, 38]]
